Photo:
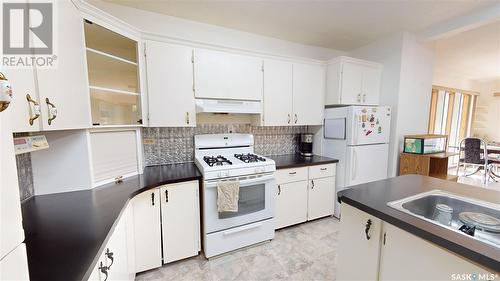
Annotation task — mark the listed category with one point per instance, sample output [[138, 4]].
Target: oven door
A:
[[256, 202]]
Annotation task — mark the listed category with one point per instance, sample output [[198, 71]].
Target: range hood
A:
[[228, 106]]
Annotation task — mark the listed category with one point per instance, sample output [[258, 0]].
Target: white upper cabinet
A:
[[63, 90], [278, 95], [26, 111], [170, 85], [223, 75], [353, 81], [308, 94]]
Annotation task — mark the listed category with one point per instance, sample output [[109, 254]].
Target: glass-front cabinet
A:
[[113, 77]]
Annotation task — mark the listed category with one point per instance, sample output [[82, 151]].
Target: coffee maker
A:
[[306, 145]]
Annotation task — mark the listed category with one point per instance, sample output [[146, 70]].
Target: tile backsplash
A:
[[176, 145], [25, 176]]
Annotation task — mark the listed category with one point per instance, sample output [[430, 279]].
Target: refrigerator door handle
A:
[[354, 164], [356, 129]]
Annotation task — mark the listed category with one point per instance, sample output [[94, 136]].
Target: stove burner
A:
[[216, 160], [249, 158]]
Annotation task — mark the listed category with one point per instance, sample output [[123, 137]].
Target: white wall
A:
[[487, 110], [406, 86], [155, 24]]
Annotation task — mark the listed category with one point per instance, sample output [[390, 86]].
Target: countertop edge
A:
[[430, 237]]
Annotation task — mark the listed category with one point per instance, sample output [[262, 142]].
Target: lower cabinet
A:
[[291, 206], [371, 249], [180, 216], [359, 245], [305, 193], [117, 260], [14, 266], [147, 230]]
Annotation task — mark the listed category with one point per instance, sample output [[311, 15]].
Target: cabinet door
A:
[[321, 198], [11, 228], [170, 85], [291, 204], [147, 230], [277, 93], [351, 83], [15, 265], [23, 84], [358, 252], [308, 94], [425, 261], [66, 86], [180, 221], [371, 85], [225, 75], [116, 252]]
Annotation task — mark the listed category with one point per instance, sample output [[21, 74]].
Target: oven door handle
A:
[[245, 182], [243, 228]]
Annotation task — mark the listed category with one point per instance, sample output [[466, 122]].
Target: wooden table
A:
[[433, 165]]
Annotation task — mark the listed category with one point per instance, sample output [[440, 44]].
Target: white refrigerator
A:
[[358, 136]]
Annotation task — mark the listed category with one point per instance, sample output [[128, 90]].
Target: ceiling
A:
[[472, 55], [334, 24]]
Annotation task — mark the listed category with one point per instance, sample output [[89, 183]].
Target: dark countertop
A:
[[372, 198], [67, 232], [296, 160]]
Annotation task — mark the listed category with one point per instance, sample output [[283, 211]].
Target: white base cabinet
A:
[[15, 265], [304, 193], [371, 249], [180, 216], [117, 260], [147, 230]]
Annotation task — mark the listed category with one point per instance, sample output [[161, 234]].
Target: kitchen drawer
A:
[[291, 175], [322, 171], [238, 237]]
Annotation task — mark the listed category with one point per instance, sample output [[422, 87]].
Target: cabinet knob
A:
[[34, 109], [312, 184], [296, 118], [52, 111], [279, 189], [104, 269], [187, 117], [289, 118], [153, 198], [109, 255], [166, 195], [364, 97], [367, 229], [359, 97]]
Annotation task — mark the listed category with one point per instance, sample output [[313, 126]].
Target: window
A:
[[451, 114]]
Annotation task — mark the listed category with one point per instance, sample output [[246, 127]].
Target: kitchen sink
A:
[[478, 219]]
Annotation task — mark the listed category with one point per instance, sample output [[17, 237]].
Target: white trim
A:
[[108, 128], [110, 56], [114, 90]]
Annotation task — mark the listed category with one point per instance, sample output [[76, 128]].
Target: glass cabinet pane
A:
[[110, 73], [109, 108], [107, 41]]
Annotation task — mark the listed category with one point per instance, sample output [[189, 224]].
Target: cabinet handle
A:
[[323, 169], [292, 173], [52, 110], [34, 109], [359, 97], [312, 184], [279, 189], [289, 118], [367, 229], [104, 269], [166, 195], [187, 117], [364, 97], [296, 118], [109, 255], [153, 198]]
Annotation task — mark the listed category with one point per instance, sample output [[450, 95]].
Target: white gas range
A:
[[230, 157]]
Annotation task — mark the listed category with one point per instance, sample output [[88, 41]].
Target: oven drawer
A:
[[238, 237], [291, 175], [322, 171]]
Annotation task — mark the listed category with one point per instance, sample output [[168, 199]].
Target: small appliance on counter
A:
[[306, 145]]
